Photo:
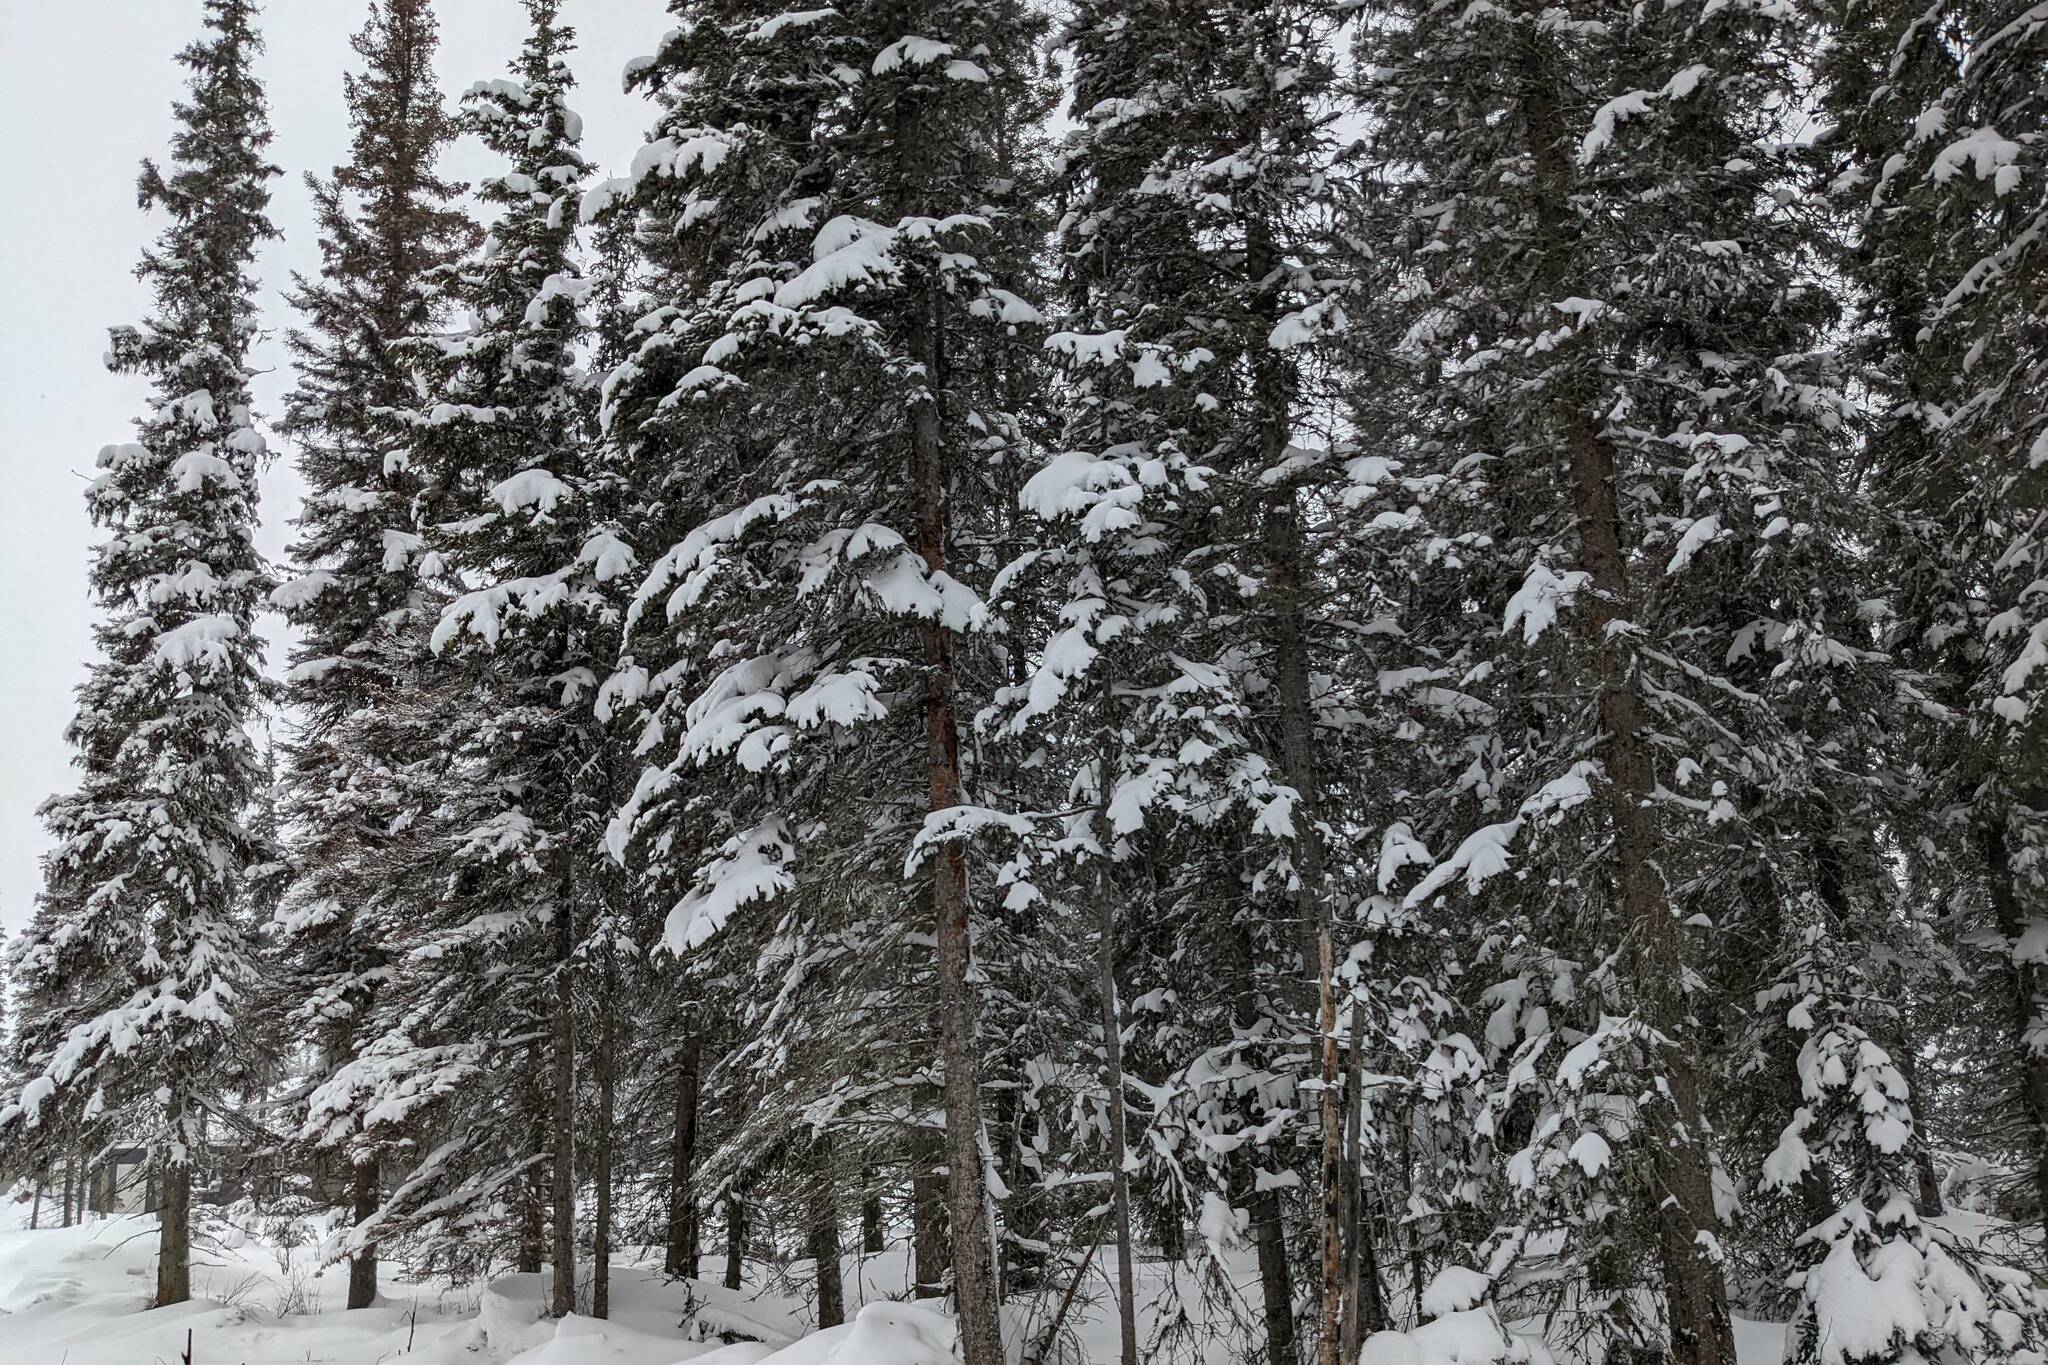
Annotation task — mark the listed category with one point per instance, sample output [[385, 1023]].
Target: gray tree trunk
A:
[[1113, 1080], [601, 1156], [681, 1255], [823, 1210], [363, 1201], [735, 1240], [974, 1288], [563, 1097]]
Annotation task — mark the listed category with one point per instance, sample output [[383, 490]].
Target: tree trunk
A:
[[362, 1263], [1700, 1330], [735, 1240], [2024, 988], [681, 1257], [601, 1158], [1113, 1076], [563, 1254], [531, 1251], [70, 1182], [174, 1241], [981, 1340], [1276, 1279], [871, 1241], [1262, 1207], [928, 1227], [1365, 1308], [1696, 1301], [1697, 1304], [1287, 561], [823, 1210], [35, 1208]]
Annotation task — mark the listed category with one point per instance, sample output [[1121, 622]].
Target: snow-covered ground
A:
[[80, 1296]]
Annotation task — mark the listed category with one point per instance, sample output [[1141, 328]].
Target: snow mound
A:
[[882, 1334], [579, 1340]]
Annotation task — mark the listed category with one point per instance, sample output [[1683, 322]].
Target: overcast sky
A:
[[85, 93]]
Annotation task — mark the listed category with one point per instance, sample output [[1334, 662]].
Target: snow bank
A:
[[881, 1334]]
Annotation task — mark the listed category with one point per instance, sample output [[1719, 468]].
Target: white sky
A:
[[85, 93]]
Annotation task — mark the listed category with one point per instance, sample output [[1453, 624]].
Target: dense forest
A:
[[1389, 653]]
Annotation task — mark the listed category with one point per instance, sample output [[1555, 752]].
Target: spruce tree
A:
[[1613, 336], [388, 224], [845, 190], [144, 934]]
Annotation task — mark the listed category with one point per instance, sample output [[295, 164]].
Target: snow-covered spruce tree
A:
[[360, 609], [1881, 1283], [1192, 663], [1941, 126], [1614, 319], [476, 1029], [143, 934], [845, 188]]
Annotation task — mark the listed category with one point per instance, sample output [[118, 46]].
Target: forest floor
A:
[[79, 1296]]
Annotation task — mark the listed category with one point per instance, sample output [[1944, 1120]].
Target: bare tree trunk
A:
[[928, 1227], [563, 1254], [601, 1158], [1113, 1072], [871, 1241], [530, 1252], [1276, 1278], [981, 1339], [70, 1183], [682, 1162], [823, 1201], [363, 1202], [174, 1242], [35, 1208], [735, 1240]]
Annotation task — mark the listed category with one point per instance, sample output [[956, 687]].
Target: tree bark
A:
[[70, 1183], [1697, 1303], [1695, 1298], [871, 1240], [563, 1252], [363, 1202], [174, 1241], [1287, 613], [1113, 1078], [681, 1258], [1365, 1308], [601, 1158], [823, 1201], [966, 1184], [531, 1250], [735, 1240], [35, 1208], [1297, 748], [1267, 1219], [928, 1227], [1276, 1279]]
